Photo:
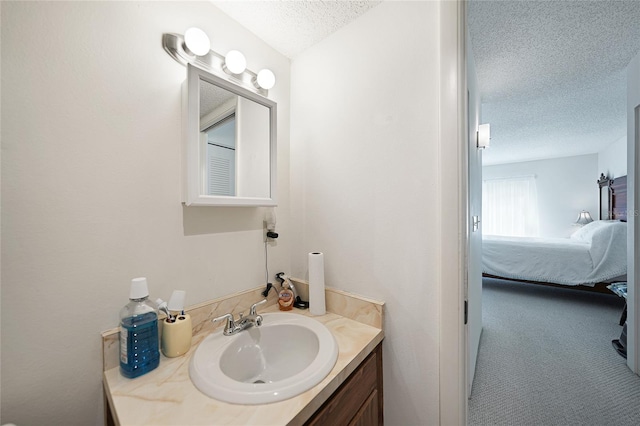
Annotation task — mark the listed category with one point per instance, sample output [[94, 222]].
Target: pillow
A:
[[586, 232], [609, 242]]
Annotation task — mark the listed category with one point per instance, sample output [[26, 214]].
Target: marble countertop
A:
[[166, 395]]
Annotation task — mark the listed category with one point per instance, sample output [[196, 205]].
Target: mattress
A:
[[594, 254]]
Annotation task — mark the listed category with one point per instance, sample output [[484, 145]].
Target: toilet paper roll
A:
[[316, 284]]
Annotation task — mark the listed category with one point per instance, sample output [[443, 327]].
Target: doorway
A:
[[634, 232]]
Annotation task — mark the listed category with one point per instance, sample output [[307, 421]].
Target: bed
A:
[[595, 255]]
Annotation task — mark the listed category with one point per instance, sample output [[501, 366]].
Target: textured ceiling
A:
[[212, 97], [552, 74], [292, 26]]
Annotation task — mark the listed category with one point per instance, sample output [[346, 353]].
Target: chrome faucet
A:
[[232, 327]]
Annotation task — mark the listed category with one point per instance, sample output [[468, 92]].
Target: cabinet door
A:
[[368, 413], [353, 397]]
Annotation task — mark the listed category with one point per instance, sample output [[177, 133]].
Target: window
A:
[[510, 207]]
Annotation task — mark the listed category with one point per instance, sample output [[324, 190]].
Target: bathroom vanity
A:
[[350, 394]]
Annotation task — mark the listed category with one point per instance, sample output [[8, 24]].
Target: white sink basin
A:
[[284, 357]]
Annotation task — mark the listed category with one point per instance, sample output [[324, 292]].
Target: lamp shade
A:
[[583, 218]]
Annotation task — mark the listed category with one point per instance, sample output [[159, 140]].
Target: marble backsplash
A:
[[361, 309], [352, 306]]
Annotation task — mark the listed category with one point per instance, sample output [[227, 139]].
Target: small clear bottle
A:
[[139, 349]]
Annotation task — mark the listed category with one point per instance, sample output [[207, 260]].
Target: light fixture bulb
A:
[[197, 41], [235, 62], [266, 79]]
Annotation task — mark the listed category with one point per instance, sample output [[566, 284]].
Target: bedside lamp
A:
[[583, 218]]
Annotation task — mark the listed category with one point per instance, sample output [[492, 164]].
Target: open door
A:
[[474, 270]]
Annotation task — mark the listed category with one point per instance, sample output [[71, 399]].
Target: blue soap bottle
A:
[[139, 349]]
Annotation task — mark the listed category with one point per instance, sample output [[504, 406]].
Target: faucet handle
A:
[[252, 310], [230, 322]]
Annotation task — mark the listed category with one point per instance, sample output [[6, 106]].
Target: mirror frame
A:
[[192, 155]]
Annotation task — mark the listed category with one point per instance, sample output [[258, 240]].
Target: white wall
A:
[[612, 160], [91, 184], [565, 187], [364, 167]]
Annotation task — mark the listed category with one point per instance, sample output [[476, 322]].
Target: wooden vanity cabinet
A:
[[358, 402]]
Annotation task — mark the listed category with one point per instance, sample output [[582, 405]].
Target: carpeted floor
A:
[[546, 359]]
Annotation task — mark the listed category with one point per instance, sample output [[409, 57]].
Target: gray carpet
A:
[[546, 359]]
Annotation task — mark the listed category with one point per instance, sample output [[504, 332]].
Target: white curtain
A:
[[510, 207]]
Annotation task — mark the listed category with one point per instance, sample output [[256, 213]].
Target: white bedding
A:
[[595, 253]]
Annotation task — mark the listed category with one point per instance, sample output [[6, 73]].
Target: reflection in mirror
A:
[[233, 146], [218, 134], [236, 133]]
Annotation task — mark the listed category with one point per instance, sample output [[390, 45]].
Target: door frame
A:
[[453, 201], [453, 195]]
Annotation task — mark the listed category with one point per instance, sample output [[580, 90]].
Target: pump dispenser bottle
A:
[[285, 297], [139, 351]]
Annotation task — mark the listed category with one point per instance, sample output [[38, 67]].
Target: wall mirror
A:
[[230, 143]]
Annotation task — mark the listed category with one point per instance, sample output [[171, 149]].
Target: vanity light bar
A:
[[194, 48]]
